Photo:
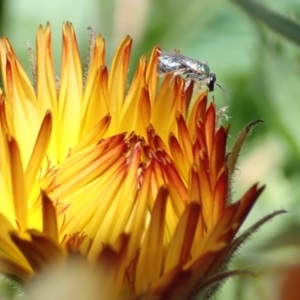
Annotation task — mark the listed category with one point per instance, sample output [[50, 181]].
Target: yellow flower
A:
[[137, 181]]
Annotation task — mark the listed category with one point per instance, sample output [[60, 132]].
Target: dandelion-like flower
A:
[[136, 181]]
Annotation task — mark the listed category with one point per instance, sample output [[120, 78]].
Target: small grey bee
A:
[[190, 69]]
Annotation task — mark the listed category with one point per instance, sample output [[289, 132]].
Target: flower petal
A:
[[151, 255], [39, 151], [117, 81], [18, 185], [182, 240], [70, 93], [49, 219]]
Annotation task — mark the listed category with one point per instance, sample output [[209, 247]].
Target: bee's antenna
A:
[[224, 91]]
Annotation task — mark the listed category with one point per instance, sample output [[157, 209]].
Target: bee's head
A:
[[210, 81]]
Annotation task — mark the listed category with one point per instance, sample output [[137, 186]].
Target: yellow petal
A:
[[152, 249], [18, 185], [182, 240], [117, 82], [70, 93]]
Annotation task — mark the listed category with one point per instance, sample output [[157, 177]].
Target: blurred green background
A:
[[260, 70]]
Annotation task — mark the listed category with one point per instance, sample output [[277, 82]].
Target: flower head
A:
[[137, 181]]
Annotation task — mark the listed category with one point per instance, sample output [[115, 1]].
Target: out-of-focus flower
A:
[[288, 282], [137, 181]]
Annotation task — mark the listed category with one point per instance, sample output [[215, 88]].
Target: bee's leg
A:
[[187, 83], [159, 71], [173, 77], [180, 72]]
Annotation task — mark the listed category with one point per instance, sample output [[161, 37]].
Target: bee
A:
[[188, 68]]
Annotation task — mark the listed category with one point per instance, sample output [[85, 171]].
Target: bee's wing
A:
[[179, 58], [197, 66], [169, 62]]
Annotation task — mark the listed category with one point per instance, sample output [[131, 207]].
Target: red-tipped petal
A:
[[180, 247]]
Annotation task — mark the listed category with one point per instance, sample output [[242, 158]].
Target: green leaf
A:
[[276, 22]]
